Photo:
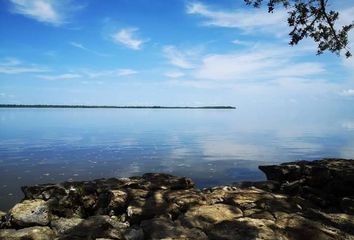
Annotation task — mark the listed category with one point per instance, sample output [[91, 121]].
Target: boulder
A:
[[29, 213]]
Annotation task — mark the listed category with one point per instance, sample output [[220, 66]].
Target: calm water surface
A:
[[211, 146]]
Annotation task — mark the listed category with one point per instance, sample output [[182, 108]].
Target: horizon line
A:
[[110, 106]]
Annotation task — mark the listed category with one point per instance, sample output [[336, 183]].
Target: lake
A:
[[210, 146]]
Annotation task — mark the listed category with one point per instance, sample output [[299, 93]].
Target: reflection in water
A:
[[211, 146]]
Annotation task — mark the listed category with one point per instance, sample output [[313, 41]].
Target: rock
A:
[[65, 225], [269, 185], [305, 200], [163, 228], [205, 216], [31, 233], [166, 181], [44, 192], [248, 197], [295, 226], [29, 213], [244, 228], [347, 205], [134, 234], [185, 198], [325, 182], [91, 228], [118, 201]]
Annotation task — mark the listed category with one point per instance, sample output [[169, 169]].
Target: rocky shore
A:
[[300, 200]]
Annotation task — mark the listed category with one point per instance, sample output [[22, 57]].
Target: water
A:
[[211, 146]]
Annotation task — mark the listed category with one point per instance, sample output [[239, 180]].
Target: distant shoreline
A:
[[106, 106]]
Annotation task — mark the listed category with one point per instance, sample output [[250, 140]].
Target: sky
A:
[[175, 52]]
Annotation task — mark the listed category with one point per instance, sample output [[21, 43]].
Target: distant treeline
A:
[[106, 106]]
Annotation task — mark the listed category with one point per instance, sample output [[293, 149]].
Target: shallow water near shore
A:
[[212, 146]]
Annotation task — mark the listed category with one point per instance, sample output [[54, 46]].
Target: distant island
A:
[[107, 106]]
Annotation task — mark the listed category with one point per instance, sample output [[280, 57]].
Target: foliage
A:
[[311, 18]]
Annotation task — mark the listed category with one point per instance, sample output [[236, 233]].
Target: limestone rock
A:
[[325, 182], [207, 215], [244, 228], [65, 225], [31, 233], [30, 212], [91, 228], [166, 181], [134, 234], [163, 228]]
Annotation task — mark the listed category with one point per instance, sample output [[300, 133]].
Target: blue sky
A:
[[176, 52]]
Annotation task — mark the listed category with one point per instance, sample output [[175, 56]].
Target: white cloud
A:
[[174, 74], [178, 58], [55, 12], [82, 47], [256, 64], [128, 38], [126, 72], [241, 19], [243, 43], [109, 73], [66, 76], [348, 125], [347, 93], [78, 45], [15, 66]]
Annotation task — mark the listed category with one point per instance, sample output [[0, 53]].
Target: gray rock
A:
[[29, 213]]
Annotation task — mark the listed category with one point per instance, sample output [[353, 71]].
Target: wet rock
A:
[[29, 213], [44, 192], [206, 215], [162, 228], [31, 233], [166, 181]]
